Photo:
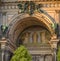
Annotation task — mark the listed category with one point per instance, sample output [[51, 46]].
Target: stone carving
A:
[[29, 7], [4, 30]]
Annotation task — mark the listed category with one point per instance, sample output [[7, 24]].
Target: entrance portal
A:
[[35, 33]]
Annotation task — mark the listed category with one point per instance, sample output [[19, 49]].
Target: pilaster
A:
[[58, 20], [3, 43], [53, 43], [5, 53], [58, 16], [4, 18]]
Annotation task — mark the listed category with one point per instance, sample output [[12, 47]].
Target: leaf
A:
[[58, 54], [21, 54]]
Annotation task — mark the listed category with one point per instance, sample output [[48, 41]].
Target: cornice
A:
[[47, 5], [12, 6], [36, 1]]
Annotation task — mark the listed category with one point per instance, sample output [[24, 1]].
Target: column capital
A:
[[3, 42], [54, 37], [53, 43]]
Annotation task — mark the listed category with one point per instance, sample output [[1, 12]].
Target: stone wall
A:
[[10, 10]]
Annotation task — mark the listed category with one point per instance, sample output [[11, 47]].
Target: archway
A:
[[23, 24], [23, 21]]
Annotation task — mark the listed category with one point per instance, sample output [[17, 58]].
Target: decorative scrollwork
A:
[[29, 7]]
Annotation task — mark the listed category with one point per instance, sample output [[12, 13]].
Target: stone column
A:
[[4, 18], [5, 53], [8, 55], [57, 16], [42, 58], [39, 37], [35, 37], [53, 43], [54, 54], [43, 37], [48, 57], [31, 37], [58, 20], [3, 43], [26, 38]]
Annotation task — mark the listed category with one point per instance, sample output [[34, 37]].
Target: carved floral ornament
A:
[[29, 7]]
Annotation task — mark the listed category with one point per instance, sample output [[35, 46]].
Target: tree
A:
[[58, 54], [21, 54]]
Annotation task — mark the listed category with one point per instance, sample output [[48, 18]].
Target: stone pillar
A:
[[31, 37], [4, 18], [57, 16], [58, 20], [54, 54], [42, 58], [5, 54], [35, 37], [8, 55], [53, 43], [43, 37], [26, 38], [39, 37], [3, 43], [48, 58]]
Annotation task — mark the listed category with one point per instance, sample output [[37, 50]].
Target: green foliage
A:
[[21, 54], [58, 54]]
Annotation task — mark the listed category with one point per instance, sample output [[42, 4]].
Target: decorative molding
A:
[[31, 0], [9, 6]]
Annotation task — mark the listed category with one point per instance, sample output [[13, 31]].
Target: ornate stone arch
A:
[[40, 18], [23, 20]]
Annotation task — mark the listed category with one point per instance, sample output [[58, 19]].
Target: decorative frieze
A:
[[8, 7], [14, 5], [51, 5]]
